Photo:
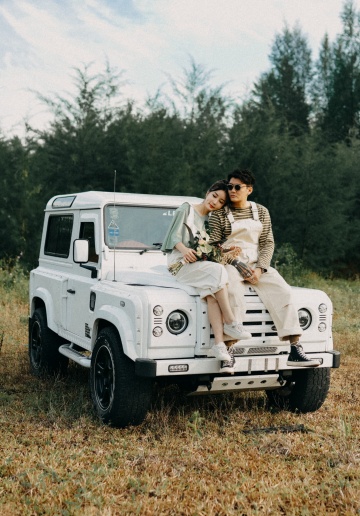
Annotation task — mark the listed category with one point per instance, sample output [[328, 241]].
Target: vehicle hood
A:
[[156, 276]]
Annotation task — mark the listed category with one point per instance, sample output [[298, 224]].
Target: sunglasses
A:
[[237, 187]]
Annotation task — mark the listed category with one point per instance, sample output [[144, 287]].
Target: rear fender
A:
[[46, 298]]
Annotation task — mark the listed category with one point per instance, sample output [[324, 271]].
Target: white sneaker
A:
[[220, 351], [239, 345], [236, 330]]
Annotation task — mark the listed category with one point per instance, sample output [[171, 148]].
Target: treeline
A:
[[298, 131]]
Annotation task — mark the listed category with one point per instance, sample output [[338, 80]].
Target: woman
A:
[[209, 278]]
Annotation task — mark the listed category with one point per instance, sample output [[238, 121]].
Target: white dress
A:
[[207, 277]]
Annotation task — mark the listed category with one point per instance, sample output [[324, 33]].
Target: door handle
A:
[[71, 291]]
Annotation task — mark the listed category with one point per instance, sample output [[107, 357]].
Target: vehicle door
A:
[[80, 315]]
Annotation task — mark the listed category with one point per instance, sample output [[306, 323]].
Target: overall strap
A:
[[255, 211], [230, 216]]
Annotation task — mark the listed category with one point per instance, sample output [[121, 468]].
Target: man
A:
[[247, 225]]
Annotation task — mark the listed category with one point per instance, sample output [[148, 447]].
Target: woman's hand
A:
[[189, 255]]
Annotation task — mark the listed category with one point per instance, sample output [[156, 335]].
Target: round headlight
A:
[[157, 331], [158, 310], [322, 308], [304, 318], [177, 322], [322, 326]]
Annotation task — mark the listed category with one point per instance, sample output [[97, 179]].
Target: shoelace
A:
[[229, 363], [300, 352]]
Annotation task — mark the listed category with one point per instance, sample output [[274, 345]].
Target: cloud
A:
[[42, 40]]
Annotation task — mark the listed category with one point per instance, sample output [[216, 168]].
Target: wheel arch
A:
[[42, 299], [111, 316]]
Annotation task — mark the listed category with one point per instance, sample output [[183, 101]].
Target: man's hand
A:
[[255, 276]]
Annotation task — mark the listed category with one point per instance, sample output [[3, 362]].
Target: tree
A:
[[286, 85], [14, 208], [338, 80], [73, 154]]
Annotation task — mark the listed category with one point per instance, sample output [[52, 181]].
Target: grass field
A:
[[220, 455]]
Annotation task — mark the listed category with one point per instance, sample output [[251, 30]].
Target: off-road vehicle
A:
[[102, 296]]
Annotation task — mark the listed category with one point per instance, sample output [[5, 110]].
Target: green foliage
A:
[[288, 264], [298, 131], [14, 186], [14, 279], [286, 85], [339, 79]]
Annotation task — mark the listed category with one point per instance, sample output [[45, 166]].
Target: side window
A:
[[58, 236], [87, 230]]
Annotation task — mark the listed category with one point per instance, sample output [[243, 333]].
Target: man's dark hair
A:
[[245, 176]]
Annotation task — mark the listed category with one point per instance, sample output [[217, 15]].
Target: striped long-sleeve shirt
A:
[[220, 228]]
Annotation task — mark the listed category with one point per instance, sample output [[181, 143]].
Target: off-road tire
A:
[[120, 397], [306, 391], [44, 356]]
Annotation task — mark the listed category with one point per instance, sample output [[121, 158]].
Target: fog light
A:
[[178, 368], [158, 310], [157, 331], [322, 326], [322, 308]]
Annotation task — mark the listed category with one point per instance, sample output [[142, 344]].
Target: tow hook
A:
[[207, 384], [281, 380]]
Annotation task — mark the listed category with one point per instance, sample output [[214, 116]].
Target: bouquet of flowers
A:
[[212, 252], [200, 244]]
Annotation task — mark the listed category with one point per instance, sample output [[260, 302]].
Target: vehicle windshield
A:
[[136, 227]]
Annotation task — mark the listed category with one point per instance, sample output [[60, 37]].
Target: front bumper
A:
[[243, 365]]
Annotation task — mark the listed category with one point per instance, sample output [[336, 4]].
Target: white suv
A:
[[102, 296]]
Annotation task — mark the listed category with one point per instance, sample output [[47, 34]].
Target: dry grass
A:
[[202, 456]]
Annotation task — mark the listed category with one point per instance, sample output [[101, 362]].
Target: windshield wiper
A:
[[157, 246]]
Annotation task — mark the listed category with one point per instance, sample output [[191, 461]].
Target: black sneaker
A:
[[298, 358], [227, 366]]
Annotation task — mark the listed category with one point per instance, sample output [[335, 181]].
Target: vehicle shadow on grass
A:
[[65, 400], [59, 399], [172, 407]]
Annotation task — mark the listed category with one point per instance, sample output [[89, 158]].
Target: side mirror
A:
[[81, 251]]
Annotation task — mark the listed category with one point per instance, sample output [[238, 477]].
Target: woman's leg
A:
[[219, 310], [232, 327], [215, 319], [222, 299]]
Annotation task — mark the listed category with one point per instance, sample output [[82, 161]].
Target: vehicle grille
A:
[[259, 350], [258, 322]]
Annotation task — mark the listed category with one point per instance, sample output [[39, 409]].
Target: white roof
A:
[[87, 200]]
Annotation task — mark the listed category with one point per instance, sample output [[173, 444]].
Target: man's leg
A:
[[277, 296]]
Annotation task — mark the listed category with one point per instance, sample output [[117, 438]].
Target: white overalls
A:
[[207, 277], [272, 289]]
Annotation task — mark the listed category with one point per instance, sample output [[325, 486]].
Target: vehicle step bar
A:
[[68, 351]]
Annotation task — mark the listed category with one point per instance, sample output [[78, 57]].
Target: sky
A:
[[42, 41]]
